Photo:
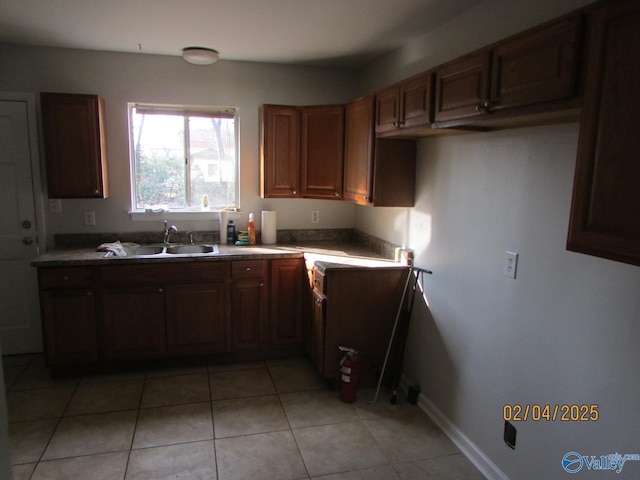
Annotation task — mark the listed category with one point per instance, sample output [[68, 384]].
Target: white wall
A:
[[566, 330], [120, 78]]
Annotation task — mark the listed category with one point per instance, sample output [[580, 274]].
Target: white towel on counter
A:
[[117, 248]]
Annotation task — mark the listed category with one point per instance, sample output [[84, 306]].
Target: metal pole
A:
[[393, 332]]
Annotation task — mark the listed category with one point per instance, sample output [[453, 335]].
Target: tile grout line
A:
[[306, 468]]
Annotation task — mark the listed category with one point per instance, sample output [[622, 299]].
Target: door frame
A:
[[36, 167]]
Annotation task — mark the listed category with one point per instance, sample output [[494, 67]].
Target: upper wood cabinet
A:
[[322, 151], [606, 200], [378, 172], [279, 151], [358, 156], [302, 151], [532, 69], [74, 145], [404, 106]]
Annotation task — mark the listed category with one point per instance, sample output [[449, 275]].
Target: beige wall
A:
[[120, 78], [565, 331]]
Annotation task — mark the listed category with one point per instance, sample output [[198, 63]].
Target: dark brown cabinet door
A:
[[538, 66], [133, 323], [322, 151], [404, 106], [316, 340], [248, 300], [606, 196], [247, 304], [69, 322], [74, 145], [197, 319], [462, 86], [358, 162], [285, 315], [388, 109], [415, 100], [279, 151]]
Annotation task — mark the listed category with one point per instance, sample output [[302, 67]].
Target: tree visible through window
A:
[[180, 154]]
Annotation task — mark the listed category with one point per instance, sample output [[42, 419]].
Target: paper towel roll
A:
[[224, 218], [269, 232]]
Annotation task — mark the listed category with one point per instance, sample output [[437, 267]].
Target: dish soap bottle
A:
[[251, 227], [231, 233]]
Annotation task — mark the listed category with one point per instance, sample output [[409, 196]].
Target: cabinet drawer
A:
[[318, 280], [247, 269], [173, 273], [66, 277]]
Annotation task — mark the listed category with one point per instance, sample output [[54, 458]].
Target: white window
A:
[[179, 154]]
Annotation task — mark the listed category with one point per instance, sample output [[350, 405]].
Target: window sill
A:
[[148, 216]]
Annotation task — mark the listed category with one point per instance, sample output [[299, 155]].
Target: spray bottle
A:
[[251, 227]]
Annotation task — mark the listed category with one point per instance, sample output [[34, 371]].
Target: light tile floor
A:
[[261, 420]]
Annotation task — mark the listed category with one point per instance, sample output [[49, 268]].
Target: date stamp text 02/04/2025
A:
[[551, 413]]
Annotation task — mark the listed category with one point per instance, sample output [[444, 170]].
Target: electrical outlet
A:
[[90, 218], [510, 264], [315, 216], [509, 435], [55, 205]]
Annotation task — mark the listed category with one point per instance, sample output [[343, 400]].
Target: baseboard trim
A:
[[466, 446]]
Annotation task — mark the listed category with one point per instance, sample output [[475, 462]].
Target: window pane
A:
[[159, 155], [167, 172], [213, 160]]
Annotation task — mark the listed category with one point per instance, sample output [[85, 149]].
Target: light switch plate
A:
[[510, 264]]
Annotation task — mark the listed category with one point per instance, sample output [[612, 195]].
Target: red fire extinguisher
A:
[[349, 375]]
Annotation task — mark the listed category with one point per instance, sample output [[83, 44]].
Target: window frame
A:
[[195, 212]]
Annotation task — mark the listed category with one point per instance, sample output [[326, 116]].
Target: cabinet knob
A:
[[65, 278], [247, 269], [261, 285], [295, 192], [337, 194], [89, 294], [96, 191], [485, 106], [161, 290]]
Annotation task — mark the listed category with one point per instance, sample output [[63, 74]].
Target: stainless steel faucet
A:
[[167, 232]]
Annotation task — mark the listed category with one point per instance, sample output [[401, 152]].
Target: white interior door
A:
[[20, 329]]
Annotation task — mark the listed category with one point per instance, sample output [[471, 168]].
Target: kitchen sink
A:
[[148, 250], [187, 249]]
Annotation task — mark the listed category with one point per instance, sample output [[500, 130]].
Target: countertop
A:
[[323, 255]]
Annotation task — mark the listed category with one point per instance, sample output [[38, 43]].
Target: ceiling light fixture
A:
[[200, 55]]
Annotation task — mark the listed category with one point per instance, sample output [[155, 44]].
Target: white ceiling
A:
[[318, 32]]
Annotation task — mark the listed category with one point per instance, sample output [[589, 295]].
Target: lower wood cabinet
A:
[[197, 320], [151, 310], [69, 324], [68, 309], [286, 294], [356, 308], [133, 323], [248, 300]]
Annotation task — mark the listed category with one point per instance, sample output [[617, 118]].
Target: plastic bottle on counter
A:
[[251, 227], [231, 233]]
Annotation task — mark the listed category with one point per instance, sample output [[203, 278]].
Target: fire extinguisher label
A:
[[346, 370], [346, 379]]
